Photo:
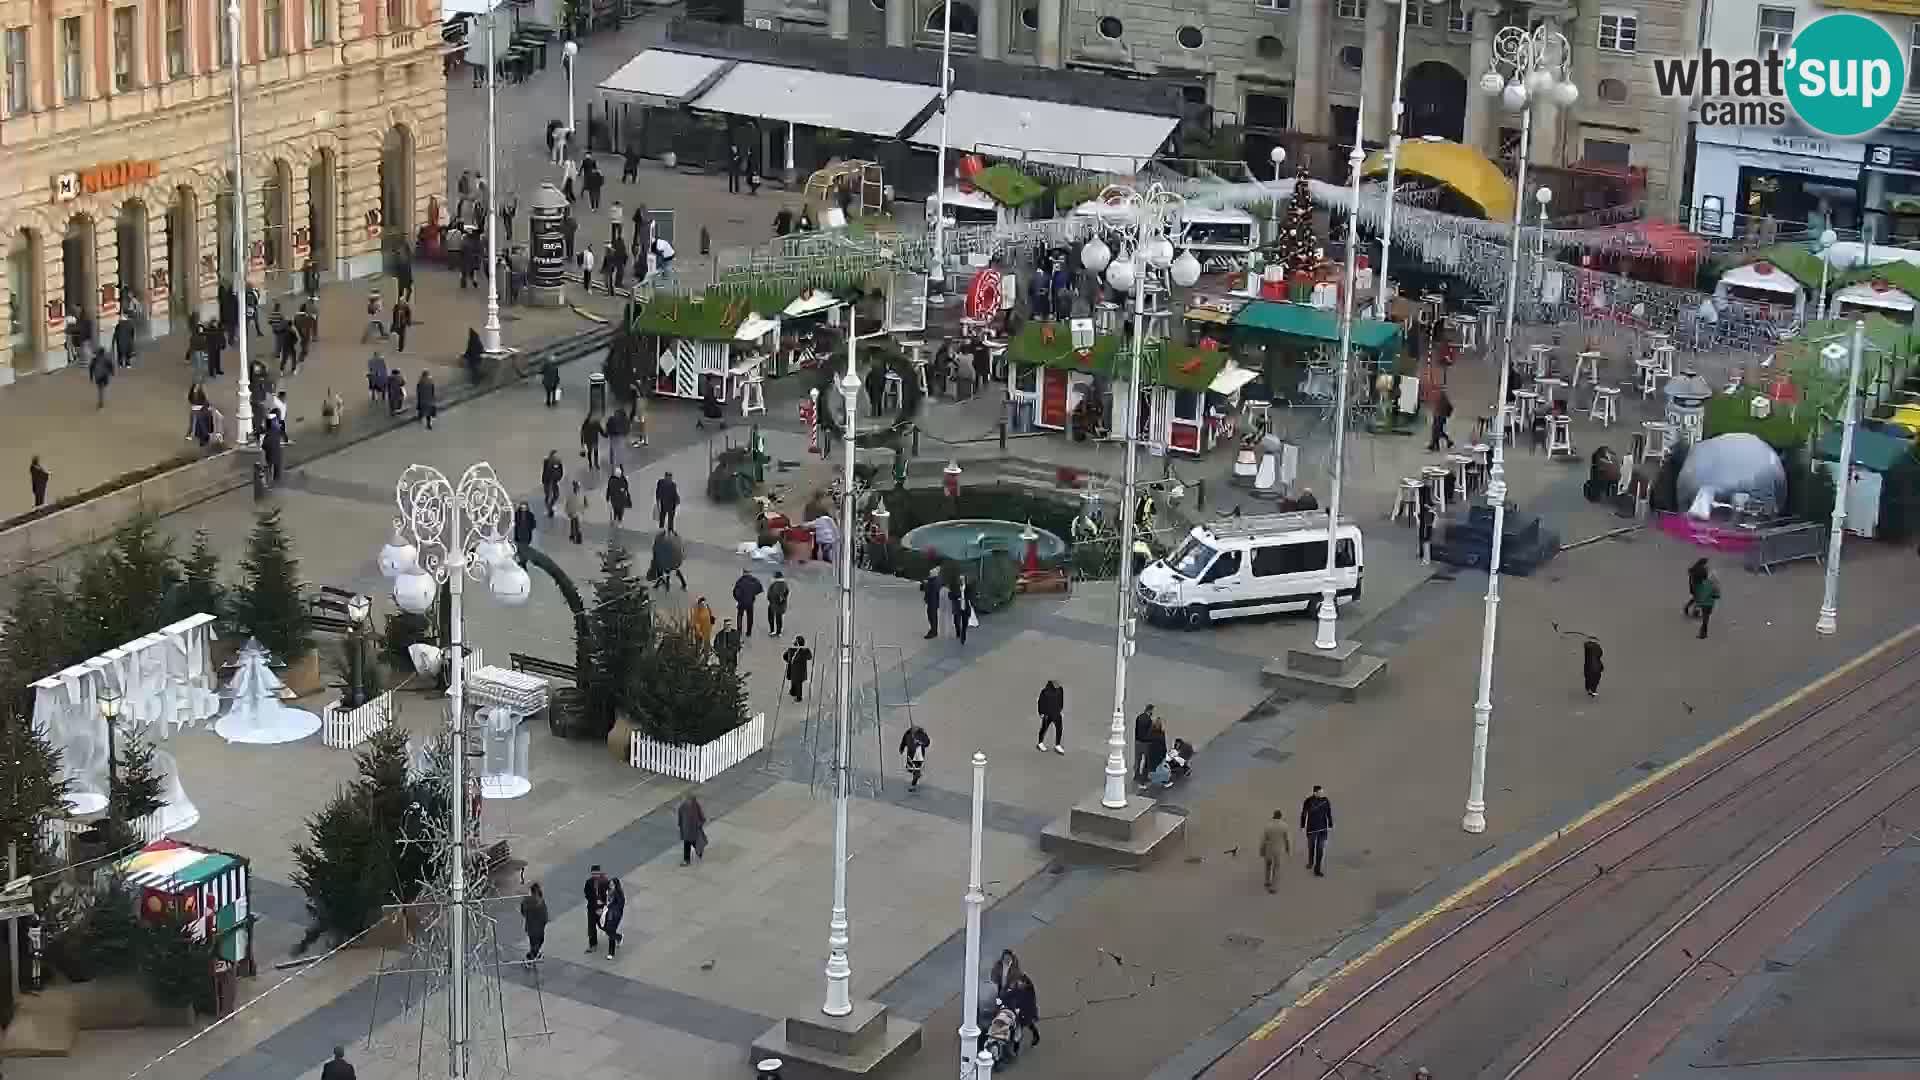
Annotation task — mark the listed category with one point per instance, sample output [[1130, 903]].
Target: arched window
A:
[[965, 20]]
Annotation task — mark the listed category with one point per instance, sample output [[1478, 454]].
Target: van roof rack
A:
[[1262, 524]]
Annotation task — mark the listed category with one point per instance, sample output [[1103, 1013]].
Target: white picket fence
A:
[[56, 834], [344, 729], [700, 763]]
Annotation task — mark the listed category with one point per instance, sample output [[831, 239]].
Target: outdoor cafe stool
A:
[[1560, 436], [1541, 358], [1649, 377], [1549, 387], [1407, 500], [1524, 402], [1462, 476], [1436, 478], [1589, 362], [1605, 408]]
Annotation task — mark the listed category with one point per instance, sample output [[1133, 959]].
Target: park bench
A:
[[327, 609], [552, 669]]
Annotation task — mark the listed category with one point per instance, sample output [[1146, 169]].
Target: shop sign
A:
[[157, 283], [57, 314], [17, 901], [373, 224], [69, 186], [1880, 156], [302, 243], [109, 301]]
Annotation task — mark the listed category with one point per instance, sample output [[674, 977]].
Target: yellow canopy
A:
[[1461, 168]]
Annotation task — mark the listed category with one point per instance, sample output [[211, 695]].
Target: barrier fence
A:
[[704, 762]]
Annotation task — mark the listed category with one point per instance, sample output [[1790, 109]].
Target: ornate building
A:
[[116, 130]]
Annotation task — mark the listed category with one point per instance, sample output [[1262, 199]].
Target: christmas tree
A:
[[254, 713], [1299, 247], [139, 790], [268, 604]]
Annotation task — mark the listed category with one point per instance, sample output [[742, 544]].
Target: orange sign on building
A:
[[114, 174]]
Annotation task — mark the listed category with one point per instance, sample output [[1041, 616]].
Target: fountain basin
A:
[[972, 538]]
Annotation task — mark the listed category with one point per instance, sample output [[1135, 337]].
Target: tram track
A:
[[1801, 754]]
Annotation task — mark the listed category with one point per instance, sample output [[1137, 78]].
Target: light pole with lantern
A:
[[1829, 621], [1393, 160], [1828, 238], [1327, 632], [568, 55], [110, 702], [490, 332], [1148, 251], [937, 270], [359, 614], [243, 410], [448, 532], [1277, 155], [1527, 67]]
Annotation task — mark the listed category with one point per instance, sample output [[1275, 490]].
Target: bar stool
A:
[[1560, 436], [1659, 437], [1462, 478], [1605, 405], [1549, 388], [1257, 413], [1649, 377], [1589, 362], [1407, 499], [753, 396], [1482, 427], [1662, 357], [892, 395], [1541, 357], [1436, 478], [1525, 402]]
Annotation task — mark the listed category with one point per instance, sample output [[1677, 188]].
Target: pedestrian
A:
[[630, 164], [733, 170], [396, 392], [523, 525], [617, 439], [1274, 842], [753, 172], [376, 376], [1316, 820], [726, 646], [569, 170], [700, 620], [1142, 739], [375, 328], [100, 368], [1021, 997], [333, 409], [592, 180], [611, 270], [960, 598], [585, 259], [253, 309], [590, 434], [37, 477], [666, 502], [338, 1068], [619, 495], [550, 382], [554, 146], [473, 354], [1426, 513], [215, 343], [798, 659], [783, 222], [1696, 574], [196, 397], [307, 324], [667, 558], [569, 228], [597, 890], [914, 744], [533, 912], [123, 342], [551, 473], [1592, 666], [746, 594], [576, 509], [229, 303], [639, 417], [1157, 770], [310, 279], [610, 918], [1052, 705], [205, 425], [1706, 596], [271, 445], [403, 277], [777, 603], [930, 591], [426, 399], [661, 253], [402, 321], [508, 210], [281, 331], [1442, 412], [692, 819]]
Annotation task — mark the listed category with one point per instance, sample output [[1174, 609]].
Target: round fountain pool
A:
[[971, 538]]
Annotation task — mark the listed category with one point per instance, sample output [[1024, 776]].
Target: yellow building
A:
[[116, 152]]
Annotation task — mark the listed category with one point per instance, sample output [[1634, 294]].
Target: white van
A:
[[1251, 566]]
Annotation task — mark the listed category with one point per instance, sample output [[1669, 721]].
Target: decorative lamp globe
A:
[[1491, 84], [1185, 270], [414, 592], [1120, 275], [493, 553], [398, 557], [1514, 97], [1277, 155], [511, 584], [1828, 238], [359, 608], [1544, 195], [1096, 255], [1565, 94], [1539, 81], [1160, 252], [572, 49], [850, 387]]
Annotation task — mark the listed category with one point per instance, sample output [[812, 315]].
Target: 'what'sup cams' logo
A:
[[1842, 77]]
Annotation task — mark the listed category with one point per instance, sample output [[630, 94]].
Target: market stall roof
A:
[[1876, 450], [817, 98], [1883, 336], [971, 199], [1076, 136], [811, 302], [1653, 240], [665, 78], [1178, 366], [1197, 215], [1231, 379], [1462, 168], [1795, 261], [1302, 321], [1901, 275], [1007, 185], [715, 315], [169, 864], [1864, 294], [754, 327], [1769, 280]]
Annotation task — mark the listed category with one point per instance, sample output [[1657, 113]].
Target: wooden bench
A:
[[327, 609], [534, 665]]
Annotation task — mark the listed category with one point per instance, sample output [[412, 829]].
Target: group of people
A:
[[389, 385], [960, 599]]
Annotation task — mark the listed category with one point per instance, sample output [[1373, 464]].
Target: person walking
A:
[[746, 594], [798, 659], [533, 912], [1052, 705], [1592, 666], [610, 918], [617, 439], [777, 594], [619, 495], [630, 165], [585, 259], [692, 819], [1442, 412], [1316, 820], [733, 170], [930, 591], [376, 376], [124, 346], [1157, 771], [597, 891], [426, 399], [375, 328], [1021, 997], [282, 333], [523, 525], [726, 645], [576, 508], [960, 598], [1275, 841], [914, 744], [592, 180], [666, 502], [569, 230], [702, 621], [306, 324], [402, 321], [396, 392], [1706, 596], [1142, 739], [1696, 574], [590, 435], [550, 382], [37, 478], [337, 1068], [100, 370], [474, 353], [272, 447]]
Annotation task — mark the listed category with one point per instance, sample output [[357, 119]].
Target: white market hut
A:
[[1223, 240], [1877, 297], [1762, 285]]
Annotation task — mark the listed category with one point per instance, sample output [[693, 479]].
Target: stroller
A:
[[1002, 1037]]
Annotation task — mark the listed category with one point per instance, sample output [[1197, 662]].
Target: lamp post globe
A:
[[1543, 196], [572, 49], [1096, 255], [1514, 97], [1160, 252], [493, 553], [1185, 270], [359, 607], [414, 592], [398, 557], [1828, 238], [511, 584], [1120, 275], [1491, 84]]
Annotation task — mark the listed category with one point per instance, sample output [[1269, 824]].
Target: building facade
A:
[[1274, 66], [116, 127]]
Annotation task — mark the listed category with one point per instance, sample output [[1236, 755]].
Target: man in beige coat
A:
[[1276, 841]]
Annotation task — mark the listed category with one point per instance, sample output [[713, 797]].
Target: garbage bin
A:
[[767, 1069], [597, 393]]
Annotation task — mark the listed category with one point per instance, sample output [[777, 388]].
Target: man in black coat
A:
[[666, 502], [523, 525], [597, 890], [338, 1068], [931, 591], [1142, 744], [1316, 820], [1053, 703], [746, 595]]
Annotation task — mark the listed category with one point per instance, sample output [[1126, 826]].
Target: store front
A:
[[1891, 190], [1752, 181]]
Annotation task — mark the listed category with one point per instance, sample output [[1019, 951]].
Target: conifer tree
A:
[[1298, 244], [268, 606], [200, 590], [139, 789], [680, 693], [622, 621]]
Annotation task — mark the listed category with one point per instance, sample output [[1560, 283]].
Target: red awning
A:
[[1654, 240]]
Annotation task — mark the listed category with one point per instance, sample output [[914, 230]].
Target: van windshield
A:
[[1191, 559]]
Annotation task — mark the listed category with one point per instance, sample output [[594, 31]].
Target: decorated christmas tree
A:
[[254, 712], [1299, 247]]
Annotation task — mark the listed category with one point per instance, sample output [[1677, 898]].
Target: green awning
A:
[[1316, 324], [713, 315], [1875, 450], [1161, 364]]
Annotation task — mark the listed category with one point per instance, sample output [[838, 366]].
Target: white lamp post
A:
[[839, 970], [1277, 155], [937, 273], [1828, 238], [490, 333], [1543, 196], [1327, 633], [1154, 216], [448, 532], [1393, 162], [242, 412], [568, 53], [1829, 621], [976, 898], [1526, 66]]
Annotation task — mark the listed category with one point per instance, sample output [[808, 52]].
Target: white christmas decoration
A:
[[254, 713]]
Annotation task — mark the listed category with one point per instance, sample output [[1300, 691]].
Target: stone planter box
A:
[[704, 762]]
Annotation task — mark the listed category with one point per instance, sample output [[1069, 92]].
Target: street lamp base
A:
[[1475, 821], [1828, 622]]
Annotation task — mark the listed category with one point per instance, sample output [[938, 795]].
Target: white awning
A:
[[663, 78], [452, 8], [1231, 379], [1073, 135], [817, 98], [812, 302], [1746, 277], [753, 328], [1868, 296]]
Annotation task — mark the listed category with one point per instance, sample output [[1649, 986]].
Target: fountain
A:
[[973, 538]]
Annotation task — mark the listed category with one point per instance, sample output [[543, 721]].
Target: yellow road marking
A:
[[1537, 846]]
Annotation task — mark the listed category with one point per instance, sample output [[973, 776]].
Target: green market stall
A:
[[712, 340], [1188, 395], [1309, 337]]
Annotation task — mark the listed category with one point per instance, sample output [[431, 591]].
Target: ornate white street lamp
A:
[[450, 532], [937, 272], [570, 54], [1146, 252], [490, 333], [976, 899], [1393, 161], [839, 968], [1828, 238], [1829, 621], [1327, 632], [1527, 68], [243, 411]]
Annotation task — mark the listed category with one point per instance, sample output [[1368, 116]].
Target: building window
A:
[[1030, 17], [1459, 19], [1272, 112], [966, 20], [73, 72], [1268, 47], [19, 71], [319, 21], [176, 38], [1274, 5], [123, 50], [1520, 15], [1776, 30], [272, 27], [396, 14], [1350, 9], [1190, 37], [1913, 56], [1613, 91], [223, 31], [1619, 33], [1606, 152], [1111, 28], [1352, 57], [1425, 15]]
